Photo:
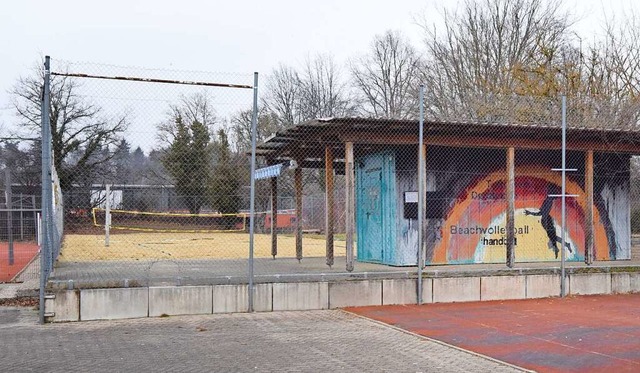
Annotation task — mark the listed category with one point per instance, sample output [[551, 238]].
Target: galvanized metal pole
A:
[[21, 218], [254, 124], [563, 288], [9, 203], [421, 194], [107, 215], [46, 185]]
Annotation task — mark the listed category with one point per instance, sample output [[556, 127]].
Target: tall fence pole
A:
[[563, 284], [421, 195], [9, 203], [45, 248], [107, 215], [254, 124]]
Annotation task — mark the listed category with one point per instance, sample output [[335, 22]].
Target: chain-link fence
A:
[[20, 196], [153, 171]]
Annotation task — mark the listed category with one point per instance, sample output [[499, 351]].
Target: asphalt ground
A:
[[314, 341], [575, 334]]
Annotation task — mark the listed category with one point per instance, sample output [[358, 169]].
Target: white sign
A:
[[410, 197]]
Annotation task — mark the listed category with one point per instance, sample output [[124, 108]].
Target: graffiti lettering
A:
[[495, 229], [487, 196], [498, 241]]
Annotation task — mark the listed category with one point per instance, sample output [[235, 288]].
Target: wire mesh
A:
[[154, 176], [152, 173]]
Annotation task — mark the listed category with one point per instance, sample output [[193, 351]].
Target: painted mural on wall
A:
[[466, 206], [473, 228]]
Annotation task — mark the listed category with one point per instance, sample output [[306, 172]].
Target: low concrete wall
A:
[[590, 283], [298, 296], [180, 300], [542, 286], [355, 293], [64, 304], [503, 287], [116, 303], [121, 303], [625, 282], [456, 289]]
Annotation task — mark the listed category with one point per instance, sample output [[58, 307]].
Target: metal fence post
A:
[[45, 248], [563, 284], [107, 215], [9, 204], [254, 120], [421, 195]]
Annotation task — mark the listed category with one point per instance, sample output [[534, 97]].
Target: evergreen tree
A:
[[187, 162], [226, 178]]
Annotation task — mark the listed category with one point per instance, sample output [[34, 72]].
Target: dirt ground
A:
[[233, 245]]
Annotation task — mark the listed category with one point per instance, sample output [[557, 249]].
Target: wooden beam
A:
[[274, 217], [328, 175], [297, 175], [490, 142], [510, 206], [588, 186], [349, 203]]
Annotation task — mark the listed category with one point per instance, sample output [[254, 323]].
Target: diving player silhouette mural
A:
[[549, 225]]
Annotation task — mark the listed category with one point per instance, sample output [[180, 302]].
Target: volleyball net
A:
[[169, 222]]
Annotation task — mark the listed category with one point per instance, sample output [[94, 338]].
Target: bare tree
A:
[[323, 93], [82, 138], [268, 123], [283, 95], [193, 108], [317, 90], [386, 77], [611, 79], [482, 45]]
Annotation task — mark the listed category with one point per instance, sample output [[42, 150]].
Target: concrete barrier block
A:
[[235, 298], [427, 290], [355, 293], [297, 296], [65, 306], [400, 291], [502, 287], [590, 283], [543, 286], [180, 300], [120, 303], [625, 282], [456, 289]]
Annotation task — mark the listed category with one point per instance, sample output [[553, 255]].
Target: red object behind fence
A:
[[23, 253]]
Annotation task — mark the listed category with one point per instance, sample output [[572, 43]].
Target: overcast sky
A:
[[222, 36]]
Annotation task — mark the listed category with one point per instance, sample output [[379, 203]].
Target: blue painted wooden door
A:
[[370, 211]]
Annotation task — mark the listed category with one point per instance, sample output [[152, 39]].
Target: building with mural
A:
[[475, 174]]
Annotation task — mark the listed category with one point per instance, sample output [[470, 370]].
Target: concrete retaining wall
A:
[[118, 303]]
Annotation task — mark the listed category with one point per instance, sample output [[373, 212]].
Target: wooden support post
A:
[[588, 186], [349, 202], [297, 175], [274, 217], [510, 206], [328, 210]]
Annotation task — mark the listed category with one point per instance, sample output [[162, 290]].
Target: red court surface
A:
[[23, 252], [575, 334]]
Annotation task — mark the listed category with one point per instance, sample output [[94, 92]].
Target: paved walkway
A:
[[317, 341], [98, 274], [575, 334]]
